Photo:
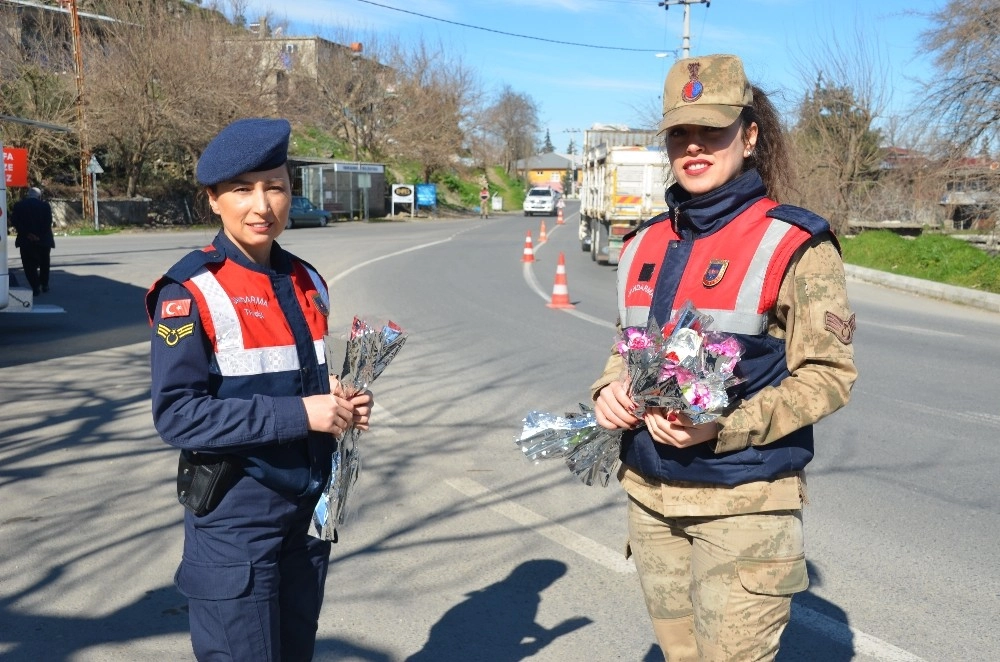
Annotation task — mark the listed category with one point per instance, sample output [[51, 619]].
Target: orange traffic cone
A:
[[560, 291], [559, 217], [542, 237], [529, 252]]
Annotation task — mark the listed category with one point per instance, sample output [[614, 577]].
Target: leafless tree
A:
[[513, 120], [160, 84], [436, 92], [836, 144], [964, 94], [36, 83], [355, 93]]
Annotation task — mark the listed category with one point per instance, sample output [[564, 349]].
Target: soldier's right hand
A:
[[614, 409], [329, 413]]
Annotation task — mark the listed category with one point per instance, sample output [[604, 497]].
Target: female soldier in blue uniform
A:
[[240, 385], [714, 510]]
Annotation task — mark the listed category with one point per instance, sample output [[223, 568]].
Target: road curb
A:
[[964, 295]]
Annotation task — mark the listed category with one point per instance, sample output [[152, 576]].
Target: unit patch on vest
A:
[[713, 275], [844, 330], [173, 336], [646, 272], [175, 308], [318, 300]]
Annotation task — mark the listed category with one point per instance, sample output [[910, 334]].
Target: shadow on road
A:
[[818, 631], [100, 314], [497, 623]]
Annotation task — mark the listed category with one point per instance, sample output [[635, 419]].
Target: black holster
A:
[[203, 479]]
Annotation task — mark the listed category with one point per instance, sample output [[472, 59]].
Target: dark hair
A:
[[770, 156]]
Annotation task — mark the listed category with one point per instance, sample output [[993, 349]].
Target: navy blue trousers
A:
[[253, 577]]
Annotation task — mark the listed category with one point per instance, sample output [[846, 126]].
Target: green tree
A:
[[547, 146]]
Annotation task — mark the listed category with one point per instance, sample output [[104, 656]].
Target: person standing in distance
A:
[[715, 510], [240, 385], [32, 219], [484, 201]]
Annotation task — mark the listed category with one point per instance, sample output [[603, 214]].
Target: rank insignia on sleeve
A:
[[175, 308], [713, 275], [173, 336], [844, 330]]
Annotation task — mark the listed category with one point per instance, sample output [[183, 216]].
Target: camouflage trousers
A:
[[718, 589]]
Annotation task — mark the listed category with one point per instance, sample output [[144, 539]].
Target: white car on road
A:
[[541, 200]]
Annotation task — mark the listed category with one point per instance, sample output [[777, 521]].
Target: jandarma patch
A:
[[173, 336], [714, 273], [693, 89], [844, 330]]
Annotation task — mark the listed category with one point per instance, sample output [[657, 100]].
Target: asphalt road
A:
[[460, 549]]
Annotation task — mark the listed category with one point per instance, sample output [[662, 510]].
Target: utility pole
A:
[[686, 40], [80, 116]]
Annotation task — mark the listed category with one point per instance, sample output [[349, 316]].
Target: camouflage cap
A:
[[707, 91]]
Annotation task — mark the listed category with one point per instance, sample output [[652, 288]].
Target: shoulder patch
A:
[[175, 308], [173, 336], [843, 329]]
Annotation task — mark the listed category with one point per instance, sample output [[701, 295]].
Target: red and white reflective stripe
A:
[[745, 316], [232, 358]]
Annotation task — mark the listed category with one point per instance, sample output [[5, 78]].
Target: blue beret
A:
[[246, 145]]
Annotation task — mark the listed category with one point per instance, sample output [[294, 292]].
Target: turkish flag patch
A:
[[175, 308]]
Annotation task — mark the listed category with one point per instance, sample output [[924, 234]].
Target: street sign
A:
[[94, 168]]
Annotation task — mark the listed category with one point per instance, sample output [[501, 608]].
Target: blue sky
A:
[[575, 86]]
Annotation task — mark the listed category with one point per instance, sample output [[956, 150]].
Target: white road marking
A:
[[557, 533], [532, 281], [863, 644], [915, 329], [345, 272]]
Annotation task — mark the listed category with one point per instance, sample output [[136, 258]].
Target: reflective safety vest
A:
[[733, 274], [248, 329], [266, 332]]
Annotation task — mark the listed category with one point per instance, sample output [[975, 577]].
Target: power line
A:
[[511, 34]]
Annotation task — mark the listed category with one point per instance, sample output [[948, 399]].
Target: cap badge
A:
[[693, 89], [714, 273]]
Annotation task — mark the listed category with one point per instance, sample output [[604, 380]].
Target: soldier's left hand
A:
[[674, 429]]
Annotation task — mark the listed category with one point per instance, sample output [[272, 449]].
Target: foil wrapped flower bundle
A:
[[697, 368], [684, 367], [370, 349]]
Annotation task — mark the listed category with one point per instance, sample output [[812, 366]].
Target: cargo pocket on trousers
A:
[[773, 576], [212, 581]]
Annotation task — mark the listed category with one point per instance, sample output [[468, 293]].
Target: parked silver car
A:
[[541, 200], [304, 212]]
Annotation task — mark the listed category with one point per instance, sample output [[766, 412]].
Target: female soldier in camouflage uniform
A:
[[714, 512]]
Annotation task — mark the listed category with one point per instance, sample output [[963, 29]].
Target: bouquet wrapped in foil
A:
[[684, 368], [370, 349]]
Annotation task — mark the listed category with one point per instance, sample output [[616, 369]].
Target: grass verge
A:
[[938, 258]]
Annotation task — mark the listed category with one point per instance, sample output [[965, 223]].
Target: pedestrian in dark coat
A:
[[32, 219]]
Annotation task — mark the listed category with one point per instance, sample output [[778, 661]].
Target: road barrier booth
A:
[[345, 189]]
